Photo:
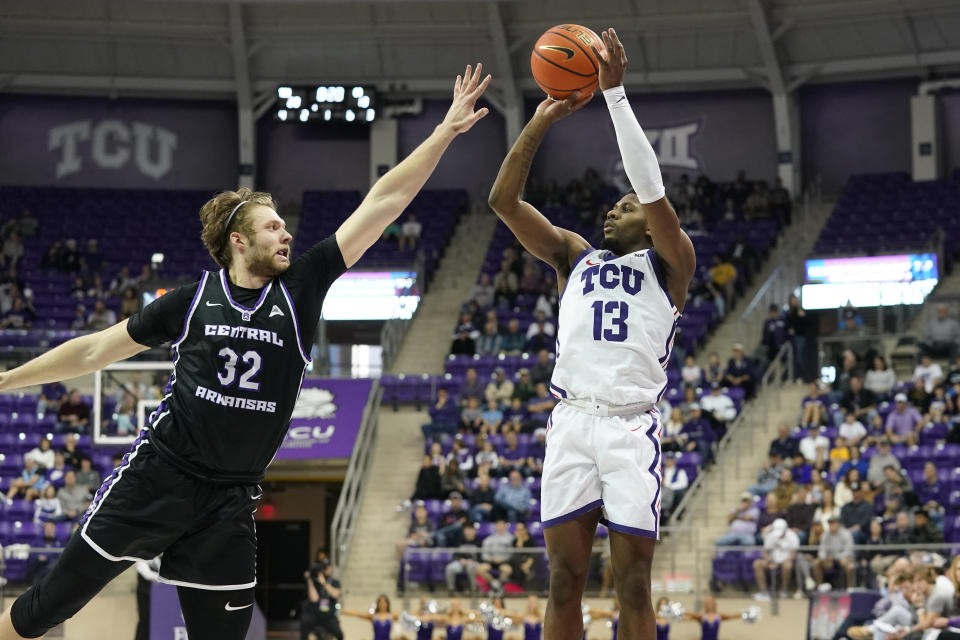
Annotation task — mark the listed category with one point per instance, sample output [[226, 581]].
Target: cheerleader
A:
[[381, 618], [710, 620]]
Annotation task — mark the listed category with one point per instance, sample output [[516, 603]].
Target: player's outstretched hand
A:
[[466, 91], [554, 110], [612, 60]]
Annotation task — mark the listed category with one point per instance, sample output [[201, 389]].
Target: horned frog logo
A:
[[315, 402]]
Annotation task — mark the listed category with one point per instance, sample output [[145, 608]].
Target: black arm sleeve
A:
[[162, 320], [309, 278]]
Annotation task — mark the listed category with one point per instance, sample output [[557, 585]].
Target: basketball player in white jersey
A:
[[618, 313]]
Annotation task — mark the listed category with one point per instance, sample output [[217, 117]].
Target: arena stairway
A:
[[736, 469], [428, 339], [371, 564]]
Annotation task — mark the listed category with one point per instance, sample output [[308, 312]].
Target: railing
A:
[[344, 522], [395, 329], [776, 374]]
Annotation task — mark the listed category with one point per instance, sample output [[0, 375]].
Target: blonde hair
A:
[[952, 572], [215, 214]]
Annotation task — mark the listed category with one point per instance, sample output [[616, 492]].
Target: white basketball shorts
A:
[[611, 462]]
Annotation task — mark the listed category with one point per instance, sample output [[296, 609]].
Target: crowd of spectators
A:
[[859, 468]]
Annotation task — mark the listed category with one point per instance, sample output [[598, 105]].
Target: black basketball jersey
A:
[[237, 375]]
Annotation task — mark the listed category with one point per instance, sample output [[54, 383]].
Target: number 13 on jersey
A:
[[616, 312]]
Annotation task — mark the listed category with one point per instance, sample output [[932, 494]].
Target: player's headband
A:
[[232, 213]]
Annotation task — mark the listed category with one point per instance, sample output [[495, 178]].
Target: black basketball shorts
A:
[[204, 531]]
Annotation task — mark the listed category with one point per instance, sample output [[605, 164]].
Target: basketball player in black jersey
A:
[[240, 337]]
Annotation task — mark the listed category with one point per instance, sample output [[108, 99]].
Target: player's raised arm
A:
[[394, 191], [555, 246], [642, 168], [74, 358]]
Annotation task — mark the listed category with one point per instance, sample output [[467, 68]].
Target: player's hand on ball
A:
[[466, 91], [612, 60], [554, 110]]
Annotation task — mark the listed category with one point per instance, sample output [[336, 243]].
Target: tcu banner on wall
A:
[[326, 419], [96, 142]]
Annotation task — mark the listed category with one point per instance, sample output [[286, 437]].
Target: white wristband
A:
[[616, 97]]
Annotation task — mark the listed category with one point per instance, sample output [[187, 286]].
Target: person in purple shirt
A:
[[930, 489], [444, 416], [52, 395], [743, 523], [471, 387], [904, 422], [697, 434], [537, 451], [855, 462], [814, 406], [513, 456], [774, 331], [541, 404]]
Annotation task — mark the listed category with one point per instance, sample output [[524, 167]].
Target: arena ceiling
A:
[[211, 49]]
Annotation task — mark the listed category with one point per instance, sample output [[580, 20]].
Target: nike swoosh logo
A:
[[227, 607], [565, 50], [214, 304], [621, 99], [592, 264]]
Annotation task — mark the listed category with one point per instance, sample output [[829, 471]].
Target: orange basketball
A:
[[562, 61]]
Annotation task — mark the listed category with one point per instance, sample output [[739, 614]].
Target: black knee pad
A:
[[74, 579]]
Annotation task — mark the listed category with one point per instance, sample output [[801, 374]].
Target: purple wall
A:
[[474, 158], [97, 142], [723, 132], [862, 127], [293, 157]]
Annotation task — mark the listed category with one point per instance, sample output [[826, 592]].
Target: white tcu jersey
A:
[[616, 330]]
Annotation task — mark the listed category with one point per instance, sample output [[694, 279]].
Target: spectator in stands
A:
[[739, 371], [47, 506], [784, 446], [895, 485], [799, 513], [774, 331], [504, 296], [691, 373], [73, 497], [849, 475], [87, 476], [531, 278], [743, 524], [79, 290], [675, 483], [506, 279], [723, 276], [929, 372], [471, 387], [56, 473], [718, 408], [96, 288], [902, 533], [924, 530], [52, 259], [523, 388], [419, 533], [541, 404], [467, 323], [541, 325], [814, 447], [101, 317], [129, 304], [70, 257], [697, 434], [839, 454], [942, 335], [20, 316], [798, 325], [30, 482], [496, 555], [859, 401], [881, 458], [852, 431], [513, 456], [449, 531], [492, 418], [80, 318], [836, 550], [42, 454], [471, 417], [410, 232], [521, 564], [903, 422], [814, 406], [785, 488], [146, 275], [487, 459], [443, 414], [880, 378], [464, 560], [122, 281], [849, 369], [12, 250], [515, 418], [489, 343], [855, 516], [780, 203], [483, 291], [772, 509], [672, 426], [513, 341], [452, 479], [481, 500], [768, 476], [780, 545], [929, 489], [549, 300], [803, 471], [428, 482], [542, 371], [71, 455], [94, 256], [500, 389], [463, 344], [512, 498], [73, 415], [713, 372]]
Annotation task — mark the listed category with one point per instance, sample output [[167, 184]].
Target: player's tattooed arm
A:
[[555, 246], [396, 189], [74, 358]]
